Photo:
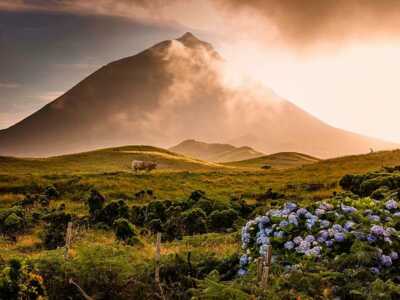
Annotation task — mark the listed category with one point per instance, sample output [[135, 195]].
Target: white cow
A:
[[139, 165]]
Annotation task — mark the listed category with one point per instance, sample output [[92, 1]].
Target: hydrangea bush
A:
[[325, 230]]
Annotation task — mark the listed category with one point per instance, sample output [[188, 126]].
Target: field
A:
[[96, 255]]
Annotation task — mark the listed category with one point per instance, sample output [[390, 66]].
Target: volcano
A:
[[178, 89]]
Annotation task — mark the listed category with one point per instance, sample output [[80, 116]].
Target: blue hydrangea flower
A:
[[263, 240], [297, 240], [292, 218], [337, 228], [315, 251], [374, 218], [309, 238], [394, 255], [319, 212], [242, 272], [374, 270], [348, 209], [283, 223], [279, 234], [396, 214], [303, 247], [329, 243], [324, 223], [244, 260], [371, 238], [326, 206], [349, 225], [301, 212], [391, 204], [289, 245], [263, 250], [290, 206], [339, 237], [378, 230], [386, 261], [268, 231]]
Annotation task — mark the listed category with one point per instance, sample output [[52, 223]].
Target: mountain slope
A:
[[103, 160], [214, 151], [172, 91], [282, 160]]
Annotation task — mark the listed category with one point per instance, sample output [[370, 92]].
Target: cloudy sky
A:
[[337, 59]]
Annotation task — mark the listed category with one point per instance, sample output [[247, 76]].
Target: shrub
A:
[[51, 192], [197, 195], [156, 210], [138, 215], [53, 235], [205, 204], [124, 231], [222, 219], [112, 211], [380, 193], [96, 202], [194, 221], [13, 224], [156, 225]]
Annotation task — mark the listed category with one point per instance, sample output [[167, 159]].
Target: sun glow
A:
[[355, 88]]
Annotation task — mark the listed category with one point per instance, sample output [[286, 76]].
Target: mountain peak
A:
[[188, 37]]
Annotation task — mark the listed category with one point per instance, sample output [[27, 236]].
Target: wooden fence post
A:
[[264, 267], [157, 270], [260, 264], [68, 238]]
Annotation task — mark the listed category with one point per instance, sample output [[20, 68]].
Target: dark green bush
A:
[[205, 204], [156, 225], [222, 219], [156, 210], [13, 224], [51, 192], [194, 221], [95, 202], [138, 215], [380, 193], [53, 235], [197, 195], [112, 211], [124, 231]]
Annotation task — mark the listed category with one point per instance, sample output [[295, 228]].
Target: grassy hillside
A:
[[104, 266], [105, 160], [215, 151], [282, 160]]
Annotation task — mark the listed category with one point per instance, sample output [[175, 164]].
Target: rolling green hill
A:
[[104, 160], [282, 160], [215, 151]]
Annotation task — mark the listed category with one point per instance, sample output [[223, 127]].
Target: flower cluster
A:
[[321, 229]]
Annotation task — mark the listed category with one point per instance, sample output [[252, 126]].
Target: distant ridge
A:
[[107, 160], [282, 160], [215, 152]]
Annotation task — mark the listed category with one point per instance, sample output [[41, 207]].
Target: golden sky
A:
[[337, 59]]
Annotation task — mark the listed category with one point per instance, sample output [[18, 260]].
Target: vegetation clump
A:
[[124, 231]]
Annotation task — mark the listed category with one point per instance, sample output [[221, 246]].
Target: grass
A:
[[108, 171], [282, 160], [104, 160]]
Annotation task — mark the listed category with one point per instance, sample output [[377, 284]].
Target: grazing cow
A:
[[138, 165]]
